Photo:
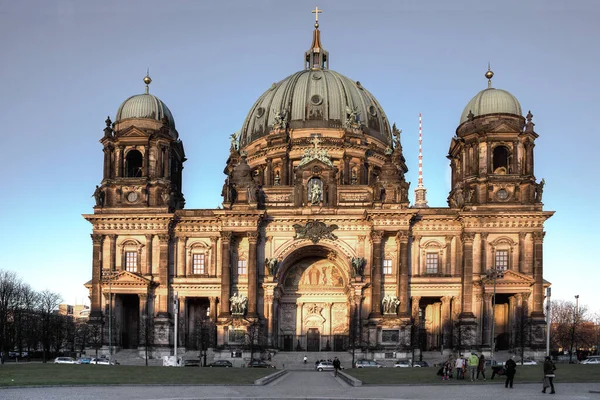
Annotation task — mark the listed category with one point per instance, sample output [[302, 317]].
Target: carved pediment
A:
[[132, 131], [126, 278], [510, 278]]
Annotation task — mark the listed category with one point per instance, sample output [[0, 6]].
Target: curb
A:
[[350, 380], [270, 378]]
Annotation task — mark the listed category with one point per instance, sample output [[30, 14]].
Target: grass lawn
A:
[[53, 374], [427, 376]]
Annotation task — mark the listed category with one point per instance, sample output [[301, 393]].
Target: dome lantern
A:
[[316, 57]]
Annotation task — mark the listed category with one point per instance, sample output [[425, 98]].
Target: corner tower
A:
[[491, 155], [143, 157]]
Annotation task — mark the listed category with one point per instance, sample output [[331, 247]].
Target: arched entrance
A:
[[313, 312]]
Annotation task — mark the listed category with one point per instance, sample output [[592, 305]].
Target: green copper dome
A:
[[316, 98], [492, 101], [145, 106]]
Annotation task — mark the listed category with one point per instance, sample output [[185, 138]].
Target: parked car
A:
[[192, 362], [259, 364], [85, 360], [221, 364], [368, 364], [527, 361], [419, 364], [101, 361], [591, 360], [402, 364], [66, 360]]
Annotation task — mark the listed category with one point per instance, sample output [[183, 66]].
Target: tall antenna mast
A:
[[420, 191]]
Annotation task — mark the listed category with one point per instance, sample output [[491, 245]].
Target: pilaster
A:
[[226, 238], [376, 237], [252, 273]]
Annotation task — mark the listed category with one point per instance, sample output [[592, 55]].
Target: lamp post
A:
[[548, 320], [109, 275]]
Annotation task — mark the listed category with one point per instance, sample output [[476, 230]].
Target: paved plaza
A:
[[306, 385]]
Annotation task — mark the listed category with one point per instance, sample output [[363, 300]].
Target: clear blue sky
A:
[[67, 64]]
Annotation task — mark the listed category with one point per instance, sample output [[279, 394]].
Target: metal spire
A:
[[420, 191]]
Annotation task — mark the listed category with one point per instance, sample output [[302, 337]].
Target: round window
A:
[[373, 111], [502, 194], [316, 99], [260, 112]]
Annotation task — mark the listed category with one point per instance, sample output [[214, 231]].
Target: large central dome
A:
[[316, 97]]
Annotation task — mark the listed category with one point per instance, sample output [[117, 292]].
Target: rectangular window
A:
[[236, 336], [501, 260], [387, 267], [131, 263], [242, 267], [431, 263], [198, 264]]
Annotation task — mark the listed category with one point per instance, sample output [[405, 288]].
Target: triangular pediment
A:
[[315, 162], [510, 278], [126, 278], [132, 131]]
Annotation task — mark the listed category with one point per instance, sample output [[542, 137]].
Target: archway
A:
[[313, 312]]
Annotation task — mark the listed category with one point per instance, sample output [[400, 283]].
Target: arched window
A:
[[133, 164], [500, 160]]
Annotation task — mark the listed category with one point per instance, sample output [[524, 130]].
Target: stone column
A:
[[106, 169], [467, 278], [96, 299], [448, 253], [143, 318], [148, 266], [119, 171], [446, 321], [347, 171], [299, 311], [403, 296], [512, 308], [146, 164], [329, 312], [213, 257], [181, 256], [522, 251], [163, 274], [226, 238], [269, 173], [416, 255], [213, 308], [488, 320], [416, 321], [484, 237], [113, 253], [182, 321], [166, 162], [376, 237], [538, 269], [252, 273]]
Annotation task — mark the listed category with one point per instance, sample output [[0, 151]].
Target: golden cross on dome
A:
[[316, 11]]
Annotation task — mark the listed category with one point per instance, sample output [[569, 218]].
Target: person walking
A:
[[305, 359], [336, 366], [481, 366], [549, 375], [510, 369], [473, 363]]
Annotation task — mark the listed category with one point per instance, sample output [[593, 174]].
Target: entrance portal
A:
[[313, 339]]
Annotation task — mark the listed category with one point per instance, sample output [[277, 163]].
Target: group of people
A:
[[474, 366]]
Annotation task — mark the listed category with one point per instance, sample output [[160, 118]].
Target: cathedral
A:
[[317, 246]]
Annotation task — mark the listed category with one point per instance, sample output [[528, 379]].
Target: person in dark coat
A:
[[510, 369], [336, 366], [481, 367], [549, 375]]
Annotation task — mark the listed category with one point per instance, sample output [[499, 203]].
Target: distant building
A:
[[78, 312], [317, 244]]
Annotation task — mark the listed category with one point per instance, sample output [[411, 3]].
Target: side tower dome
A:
[[491, 155], [143, 157]]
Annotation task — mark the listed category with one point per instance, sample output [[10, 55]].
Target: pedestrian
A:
[[459, 365], [305, 359], [473, 363], [336, 366], [510, 369], [549, 375], [481, 366]]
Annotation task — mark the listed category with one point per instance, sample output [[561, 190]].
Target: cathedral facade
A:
[[317, 246]]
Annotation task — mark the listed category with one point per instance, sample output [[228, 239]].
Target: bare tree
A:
[[48, 305], [82, 335], [95, 336], [9, 290], [571, 327]]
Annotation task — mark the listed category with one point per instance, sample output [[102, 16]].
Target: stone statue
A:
[[272, 266], [315, 193], [99, 196], [390, 304], [280, 120], [226, 192], [235, 146], [353, 118], [358, 265], [396, 132], [539, 190], [238, 304]]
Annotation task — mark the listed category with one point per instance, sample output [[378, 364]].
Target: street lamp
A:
[[548, 320]]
